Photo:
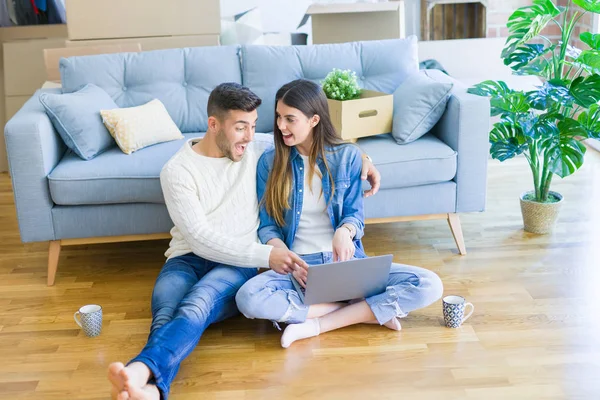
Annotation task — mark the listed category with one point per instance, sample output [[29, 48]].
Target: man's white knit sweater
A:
[[214, 206]]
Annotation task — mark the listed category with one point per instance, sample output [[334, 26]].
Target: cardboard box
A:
[[3, 157], [14, 104], [371, 114], [18, 33], [153, 43], [24, 67], [111, 19], [9, 34], [340, 23]]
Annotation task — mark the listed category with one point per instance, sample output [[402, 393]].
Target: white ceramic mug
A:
[[454, 311], [90, 319]]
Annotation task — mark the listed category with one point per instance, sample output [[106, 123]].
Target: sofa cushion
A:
[[76, 118], [380, 65], [425, 161], [181, 79], [137, 127], [113, 177], [418, 105]]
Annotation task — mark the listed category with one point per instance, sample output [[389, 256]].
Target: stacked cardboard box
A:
[[154, 24], [349, 22], [22, 68]]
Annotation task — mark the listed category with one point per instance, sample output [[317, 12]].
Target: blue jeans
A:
[[190, 294], [272, 296]]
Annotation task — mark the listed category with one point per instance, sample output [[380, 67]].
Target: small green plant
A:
[[341, 85]]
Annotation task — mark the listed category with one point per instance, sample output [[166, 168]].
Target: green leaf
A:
[[507, 141], [592, 40], [564, 152], [514, 103], [571, 128], [503, 99], [490, 88], [527, 22], [539, 67], [539, 126], [590, 120], [552, 92], [525, 54], [586, 90], [567, 157], [589, 5], [590, 58]]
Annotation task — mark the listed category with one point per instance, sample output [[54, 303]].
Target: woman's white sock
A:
[[293, 332], [393, 324]]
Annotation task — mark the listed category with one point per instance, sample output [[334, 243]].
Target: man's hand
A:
[[370, 173], [284, 261], [343, 248]]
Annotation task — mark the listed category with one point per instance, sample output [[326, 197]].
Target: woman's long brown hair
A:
[[309, 98]]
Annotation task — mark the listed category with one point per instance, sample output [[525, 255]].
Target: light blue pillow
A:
[[76, 117], [419, 103]]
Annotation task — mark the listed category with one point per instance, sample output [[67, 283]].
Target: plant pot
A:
[[540, 217]]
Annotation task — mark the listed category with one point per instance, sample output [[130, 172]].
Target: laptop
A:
[[345, 280]]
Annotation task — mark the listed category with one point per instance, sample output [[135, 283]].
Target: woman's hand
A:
[[301, 276], [343, 248]]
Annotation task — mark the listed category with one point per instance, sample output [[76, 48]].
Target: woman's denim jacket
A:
[[345, 164]]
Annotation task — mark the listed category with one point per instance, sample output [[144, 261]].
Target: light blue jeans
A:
[[190, 294], [273, 296]]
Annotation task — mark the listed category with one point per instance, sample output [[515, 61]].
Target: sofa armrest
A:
[[34, 148], [465, 127]]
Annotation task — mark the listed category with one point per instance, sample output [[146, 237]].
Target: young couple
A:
[[236, 208]]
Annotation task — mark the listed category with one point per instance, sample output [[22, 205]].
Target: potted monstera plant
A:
[[546, 125]]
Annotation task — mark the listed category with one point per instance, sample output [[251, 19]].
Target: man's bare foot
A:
[[117, 377], [123, 378], [148, 392]]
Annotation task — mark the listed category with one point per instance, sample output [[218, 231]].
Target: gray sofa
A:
[[65, 200]]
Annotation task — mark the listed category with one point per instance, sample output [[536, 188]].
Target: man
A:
[[210, 192]]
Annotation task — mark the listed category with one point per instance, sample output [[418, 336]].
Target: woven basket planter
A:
[[540, 217]]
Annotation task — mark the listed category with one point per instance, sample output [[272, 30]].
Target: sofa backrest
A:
[[380, 65], [181, 79]]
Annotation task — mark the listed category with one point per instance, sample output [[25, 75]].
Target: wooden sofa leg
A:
[[456, 229], [53, 254]]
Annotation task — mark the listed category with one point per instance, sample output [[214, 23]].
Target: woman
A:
[[311, 202]]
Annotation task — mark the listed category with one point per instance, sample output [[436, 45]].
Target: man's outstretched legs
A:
[[176, 329]]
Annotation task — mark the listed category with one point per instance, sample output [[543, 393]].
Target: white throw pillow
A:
[[134, 128]]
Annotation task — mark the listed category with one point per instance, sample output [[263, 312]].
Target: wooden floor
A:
[[534, 333]]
